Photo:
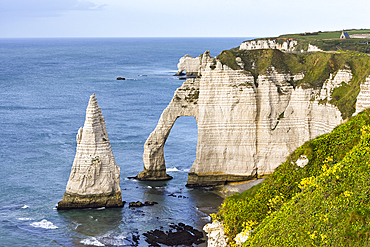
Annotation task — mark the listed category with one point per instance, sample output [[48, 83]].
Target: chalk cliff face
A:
[[95, 176], [193, 66], [216, 234], [287, 45], [363, 98], [247, 126]]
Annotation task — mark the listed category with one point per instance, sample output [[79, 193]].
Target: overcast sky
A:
[[174, 18]]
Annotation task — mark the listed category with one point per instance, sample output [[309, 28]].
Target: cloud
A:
[[42, 8], [87, 5]]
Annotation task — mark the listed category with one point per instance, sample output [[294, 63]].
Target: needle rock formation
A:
[[95, 176]]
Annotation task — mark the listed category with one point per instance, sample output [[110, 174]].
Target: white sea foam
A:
[[26, 219], [91, 241], [107, 240], [44, 224], [175, 169], [102, 208], [207, 218], [25, 206], [150, 187], [172, 169]]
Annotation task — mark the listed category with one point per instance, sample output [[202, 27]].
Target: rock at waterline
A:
[[180, 234], [95, 176], [140, 204]]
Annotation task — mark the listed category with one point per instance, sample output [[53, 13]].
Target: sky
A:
[[175, 18]]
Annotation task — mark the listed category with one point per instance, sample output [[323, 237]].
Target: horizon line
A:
[[136, 37]]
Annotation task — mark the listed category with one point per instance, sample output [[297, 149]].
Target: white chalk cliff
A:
[[215, 234], [246, 126], [286, 45], [363, 98], [95, 176]]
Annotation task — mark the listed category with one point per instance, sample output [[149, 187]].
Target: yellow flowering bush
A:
[[325, 203]]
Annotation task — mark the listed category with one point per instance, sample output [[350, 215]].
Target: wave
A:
[[207, 218], [23, 219], [125, 239], [173, 169], [91, 241], [44, 224]]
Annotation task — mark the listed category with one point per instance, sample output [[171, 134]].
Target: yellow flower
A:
[[347, 193], [323, 236], [312, 235], [307, 183]]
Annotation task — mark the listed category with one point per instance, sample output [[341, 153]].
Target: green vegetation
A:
[[316, 67], [330, 41], [325, 203], [193, 95]]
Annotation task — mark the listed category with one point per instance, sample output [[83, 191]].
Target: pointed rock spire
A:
[[95, 176]]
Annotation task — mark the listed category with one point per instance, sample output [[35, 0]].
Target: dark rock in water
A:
[[136, 204], [148, 203], [180, 234], [140, 204], [180, 73], [186, 77], [121, 78]]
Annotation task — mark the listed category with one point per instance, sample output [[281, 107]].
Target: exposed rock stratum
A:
[[95, 176]]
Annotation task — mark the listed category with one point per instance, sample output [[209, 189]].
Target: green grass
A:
[[317, 68], [327, 41], [284, 212], [322, 35]]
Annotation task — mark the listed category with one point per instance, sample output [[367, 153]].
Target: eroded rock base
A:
[[158, 175], [90, 201], [213, 179]]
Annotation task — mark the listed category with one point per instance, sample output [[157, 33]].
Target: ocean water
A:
[[45, 85]]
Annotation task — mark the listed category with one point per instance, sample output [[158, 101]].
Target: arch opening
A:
[[181, 145]]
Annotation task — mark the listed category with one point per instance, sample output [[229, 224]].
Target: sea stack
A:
[[95, 176]]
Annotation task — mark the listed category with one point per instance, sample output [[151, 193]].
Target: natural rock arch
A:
[[184, 103], [247, 126]]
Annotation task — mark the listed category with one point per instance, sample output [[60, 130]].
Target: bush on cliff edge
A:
[[324, 203]]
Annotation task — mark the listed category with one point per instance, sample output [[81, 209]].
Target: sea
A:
[[45, 85]]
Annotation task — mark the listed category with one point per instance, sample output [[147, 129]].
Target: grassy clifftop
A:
[[325, 203], [330, 41]]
